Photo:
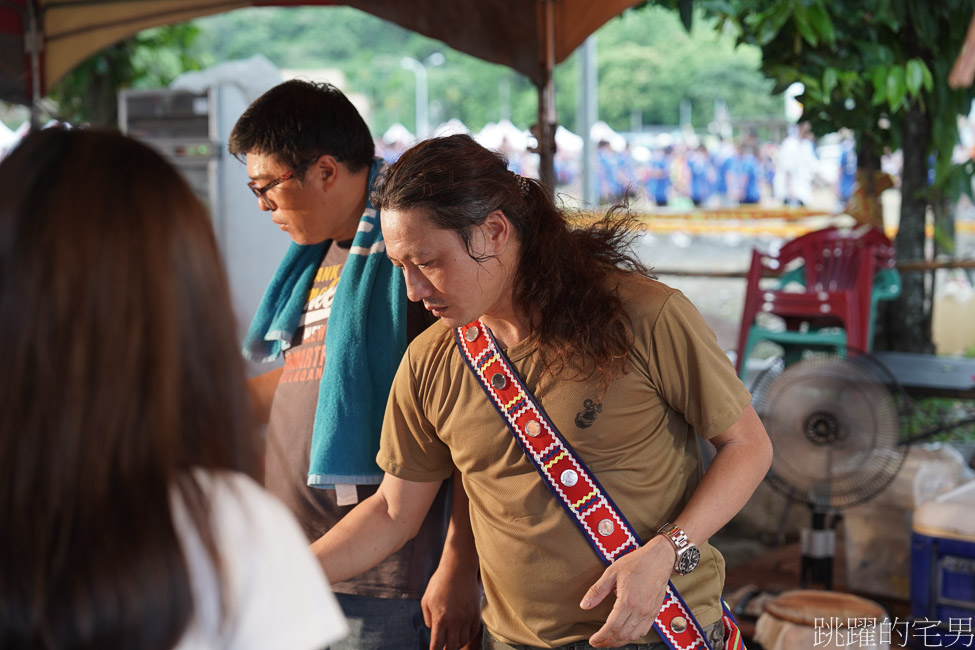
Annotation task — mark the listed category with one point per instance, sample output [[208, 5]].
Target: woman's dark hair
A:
[[562, 284], [120, 376], [298, 120]]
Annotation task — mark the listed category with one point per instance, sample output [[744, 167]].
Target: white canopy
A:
[[602, 131], [567, 141], [398, 133], [494, 135], [453, 126]]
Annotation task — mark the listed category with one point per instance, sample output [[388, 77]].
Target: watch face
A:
[[688, 560]]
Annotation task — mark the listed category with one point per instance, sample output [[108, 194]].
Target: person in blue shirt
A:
[[610, 188], [749, 176], [726, 168], [848, 170], [658, 179], [701, 172]]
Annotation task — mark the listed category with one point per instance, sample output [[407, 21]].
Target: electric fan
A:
[[834, 425]]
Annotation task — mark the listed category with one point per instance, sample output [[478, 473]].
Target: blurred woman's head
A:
[[120, 373]]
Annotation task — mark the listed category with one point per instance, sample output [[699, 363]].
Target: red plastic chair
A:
[[833, 272]]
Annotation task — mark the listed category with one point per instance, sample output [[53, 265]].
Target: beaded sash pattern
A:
[[567, 477]]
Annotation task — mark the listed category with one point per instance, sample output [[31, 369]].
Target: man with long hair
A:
[[337, 312], [624, 366]]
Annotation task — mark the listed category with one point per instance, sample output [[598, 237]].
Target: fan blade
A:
[[834, 431]]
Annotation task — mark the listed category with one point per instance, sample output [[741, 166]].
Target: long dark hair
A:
[[563, 284], [120, 375]]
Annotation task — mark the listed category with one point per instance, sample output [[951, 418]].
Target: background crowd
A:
[[681, 171]]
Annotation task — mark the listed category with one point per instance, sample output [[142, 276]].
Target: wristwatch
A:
[[688, 555]]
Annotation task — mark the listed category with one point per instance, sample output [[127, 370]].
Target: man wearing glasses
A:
[[336, 310]]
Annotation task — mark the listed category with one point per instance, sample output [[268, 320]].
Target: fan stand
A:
[[818, 547], [806, 409], [818, 544]]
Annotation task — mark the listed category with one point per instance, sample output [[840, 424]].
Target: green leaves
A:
[[813, 23], [918, 76], [863, 63], [896, 85], [820, 21], [150, 59], [878, 77], [767, 24], [800, 18], [829, 81]]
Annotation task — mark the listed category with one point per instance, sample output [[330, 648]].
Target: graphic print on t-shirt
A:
[[586, 417], [305, 360]]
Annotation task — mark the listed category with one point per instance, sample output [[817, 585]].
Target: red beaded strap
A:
[[567, 477]]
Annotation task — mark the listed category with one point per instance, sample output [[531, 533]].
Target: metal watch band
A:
[[675, 535], [688, 555]]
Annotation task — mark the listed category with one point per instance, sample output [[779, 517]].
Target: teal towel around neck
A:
[[364, 342]]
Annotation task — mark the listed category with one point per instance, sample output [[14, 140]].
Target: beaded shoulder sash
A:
[[582, 497]]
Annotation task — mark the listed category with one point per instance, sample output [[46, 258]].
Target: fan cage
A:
[[829, 452]]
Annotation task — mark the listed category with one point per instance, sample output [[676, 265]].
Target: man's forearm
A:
[[738, 467], [375, 529]]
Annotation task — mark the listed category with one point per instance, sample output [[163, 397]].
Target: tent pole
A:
[[588, 111], [34, 51], [545, 131]]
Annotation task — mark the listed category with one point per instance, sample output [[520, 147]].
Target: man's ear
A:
[[496, 230], [325, 170]]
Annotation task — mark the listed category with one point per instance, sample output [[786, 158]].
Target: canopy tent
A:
[[398, 133], [504, 134], [42, 40], [602, 132], [452, 126], [568, 141]]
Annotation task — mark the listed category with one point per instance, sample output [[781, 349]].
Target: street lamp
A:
[[419, 69]]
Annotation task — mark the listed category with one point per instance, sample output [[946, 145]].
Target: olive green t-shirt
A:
[[638, 439]]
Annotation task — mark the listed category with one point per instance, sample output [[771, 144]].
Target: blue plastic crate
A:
[[943, 571]]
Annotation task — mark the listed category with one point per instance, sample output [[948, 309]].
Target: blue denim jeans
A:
[[714, 632], [383, 624]]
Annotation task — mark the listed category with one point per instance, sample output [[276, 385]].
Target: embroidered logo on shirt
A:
[[587, 415]]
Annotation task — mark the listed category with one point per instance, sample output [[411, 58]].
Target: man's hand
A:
[[452, 607], [640, 581]]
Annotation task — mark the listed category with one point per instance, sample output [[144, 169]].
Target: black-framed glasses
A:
[[261, 192]]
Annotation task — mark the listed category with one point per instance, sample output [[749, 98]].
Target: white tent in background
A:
[[398, 133], [602, 131], [493, 135], [453, 126], [490, 136], [566, 141]]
